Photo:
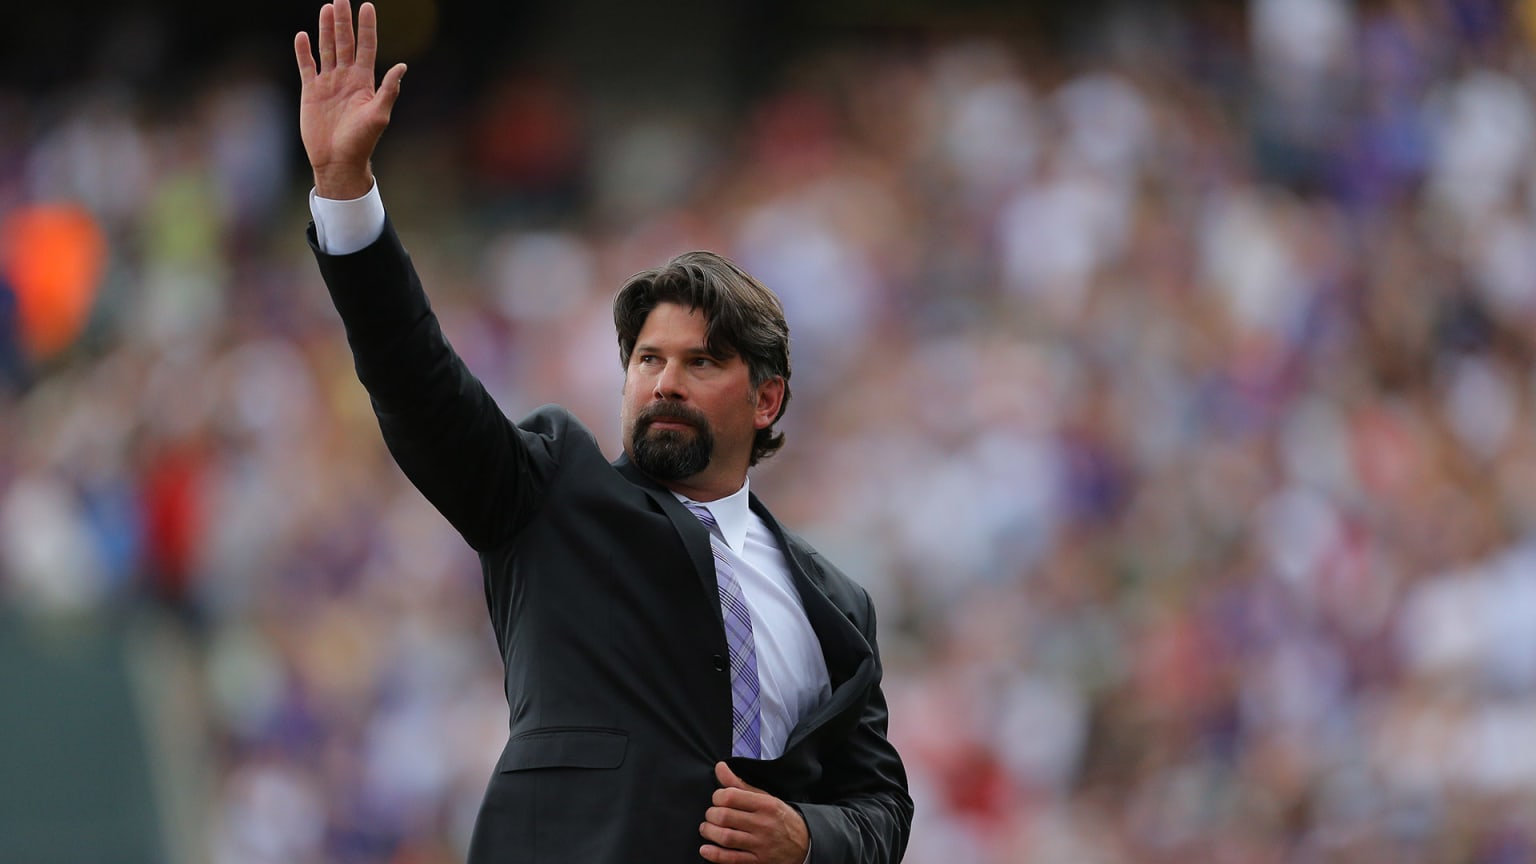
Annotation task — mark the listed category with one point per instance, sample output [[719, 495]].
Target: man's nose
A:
[[669, 384]]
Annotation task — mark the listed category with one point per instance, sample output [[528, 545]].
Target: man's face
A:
[[688, 415]]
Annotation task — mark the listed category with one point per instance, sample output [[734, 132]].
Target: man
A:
[[685, 679]]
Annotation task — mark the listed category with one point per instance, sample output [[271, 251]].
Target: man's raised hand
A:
[[341, 114]]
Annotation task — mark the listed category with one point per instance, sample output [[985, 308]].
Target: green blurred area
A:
[[102, 746], [78, 785]]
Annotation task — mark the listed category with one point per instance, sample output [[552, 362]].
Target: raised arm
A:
[[341, 114], [443, 428]]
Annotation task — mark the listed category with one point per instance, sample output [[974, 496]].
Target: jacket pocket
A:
[[564, 747]]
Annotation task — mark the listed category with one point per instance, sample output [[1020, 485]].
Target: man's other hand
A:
[[748, 826]]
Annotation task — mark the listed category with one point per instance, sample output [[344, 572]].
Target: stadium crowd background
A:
[[1174, 395]]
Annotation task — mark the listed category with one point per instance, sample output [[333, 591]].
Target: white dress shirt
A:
[[791, 670]]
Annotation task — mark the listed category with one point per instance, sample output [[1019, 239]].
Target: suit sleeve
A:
[[482, 472], [862, 812]]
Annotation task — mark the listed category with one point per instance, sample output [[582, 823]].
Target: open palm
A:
[[341, 114]]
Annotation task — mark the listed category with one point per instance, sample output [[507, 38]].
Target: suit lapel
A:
[[842, 644], [690, 530], [851, 665], [850, 660]]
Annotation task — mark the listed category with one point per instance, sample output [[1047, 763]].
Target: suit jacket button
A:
[[719, 662]]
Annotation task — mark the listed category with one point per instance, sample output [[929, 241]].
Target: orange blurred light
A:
[[53, 256]]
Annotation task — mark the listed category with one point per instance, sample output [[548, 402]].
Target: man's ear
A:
[[770, 398]]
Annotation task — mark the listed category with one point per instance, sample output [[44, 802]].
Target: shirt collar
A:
[[730, 514]]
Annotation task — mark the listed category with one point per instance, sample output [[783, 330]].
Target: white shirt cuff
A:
[[344, 227]]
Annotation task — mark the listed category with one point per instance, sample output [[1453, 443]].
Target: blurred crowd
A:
[[1175, 399]]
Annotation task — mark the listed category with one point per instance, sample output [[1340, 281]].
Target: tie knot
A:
[[703, 514]]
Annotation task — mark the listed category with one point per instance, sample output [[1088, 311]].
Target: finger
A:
[[345, 46], [742, 799], [726, 817], [727, 777], [306, 58], [367, 35], [327, 38], [717, 855], [726, 838]]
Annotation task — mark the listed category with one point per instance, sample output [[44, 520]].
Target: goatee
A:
[[671, 454]]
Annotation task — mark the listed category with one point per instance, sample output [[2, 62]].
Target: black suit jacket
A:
[[601, 590]]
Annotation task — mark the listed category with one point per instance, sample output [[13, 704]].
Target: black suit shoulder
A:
[[487, 475], [843, 590]]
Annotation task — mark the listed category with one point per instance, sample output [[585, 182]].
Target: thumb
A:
[[728, 778], [389, 88]]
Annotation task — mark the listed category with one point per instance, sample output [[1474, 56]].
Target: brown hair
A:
[[742, 318]]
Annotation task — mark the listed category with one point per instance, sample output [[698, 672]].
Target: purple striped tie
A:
[[746, 695]]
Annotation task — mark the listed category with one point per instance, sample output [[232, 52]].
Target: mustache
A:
[[669, 411]]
